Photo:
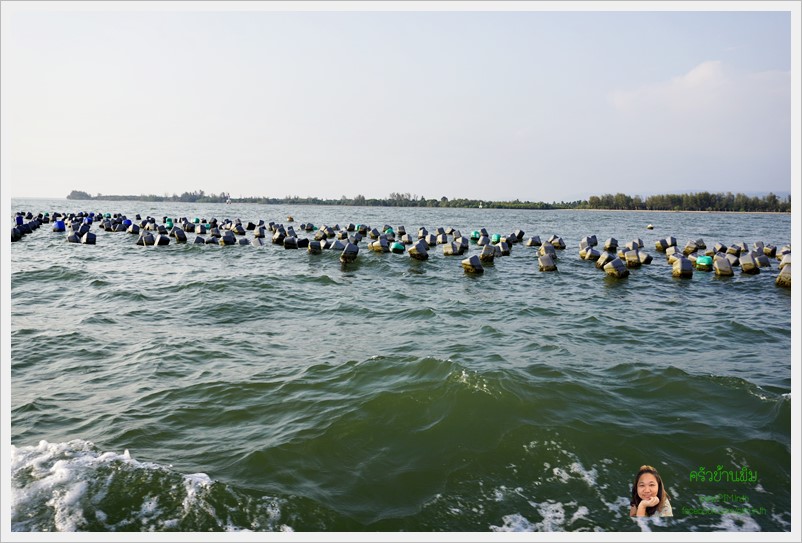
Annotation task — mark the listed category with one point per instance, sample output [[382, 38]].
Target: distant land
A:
[[694, 201]]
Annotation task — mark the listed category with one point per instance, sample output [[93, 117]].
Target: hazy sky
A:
[[542, 106]]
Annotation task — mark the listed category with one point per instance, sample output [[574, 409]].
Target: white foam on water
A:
[[587, 475], [758, 394], [59, 485], [620, 504], [580, 514], [781, 521], [195, 485], [57, 476], [499, 494], [434, 499], [170, 524], [473, 380], [574, 468], [661, 522], [569, 469], [231, 528], [561, 474], [643, 523], [272, 511], [738, 523], [69, 514], [553, 514], [150, 507], [514, 523]]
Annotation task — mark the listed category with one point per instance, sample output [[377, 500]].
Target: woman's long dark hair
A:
[[661, 492]]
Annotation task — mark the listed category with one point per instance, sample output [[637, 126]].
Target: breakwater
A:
[[614, 260]]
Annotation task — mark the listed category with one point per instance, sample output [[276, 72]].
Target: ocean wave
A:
[[47, 274], [73, 486]]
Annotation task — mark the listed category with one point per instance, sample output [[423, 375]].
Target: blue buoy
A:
[[58, 226], [127, 222], [19, 220]]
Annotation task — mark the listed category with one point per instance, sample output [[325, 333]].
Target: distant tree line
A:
[[196, 196], [700, 201], [394, 200]]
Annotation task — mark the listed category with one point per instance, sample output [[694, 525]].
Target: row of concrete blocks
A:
[[119, 223], [683, 262], [385, 242], [669, 245], [229, 228], [632, 257], [610, 245], [45, 218], [612, 265], [693, 246], [113, 223], [28, 216], [683, 266], [614, 260], [25, 228], [227, 238], [77, 229], [733, 252], [474, 264], [616, 265], [750, 261], [326, 232], [759, 257], [439, 237], [547, 252], [349, 250]]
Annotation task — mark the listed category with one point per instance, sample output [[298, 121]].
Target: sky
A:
[[497, 105]]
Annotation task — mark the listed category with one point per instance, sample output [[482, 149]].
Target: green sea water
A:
[[200, 387]]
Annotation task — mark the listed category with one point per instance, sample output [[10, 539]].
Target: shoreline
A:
[[687, 211], [427, 207]]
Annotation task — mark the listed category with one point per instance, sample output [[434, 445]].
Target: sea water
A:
[[200, 387]]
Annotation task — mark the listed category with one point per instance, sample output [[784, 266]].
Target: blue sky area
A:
[[539, 105]]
